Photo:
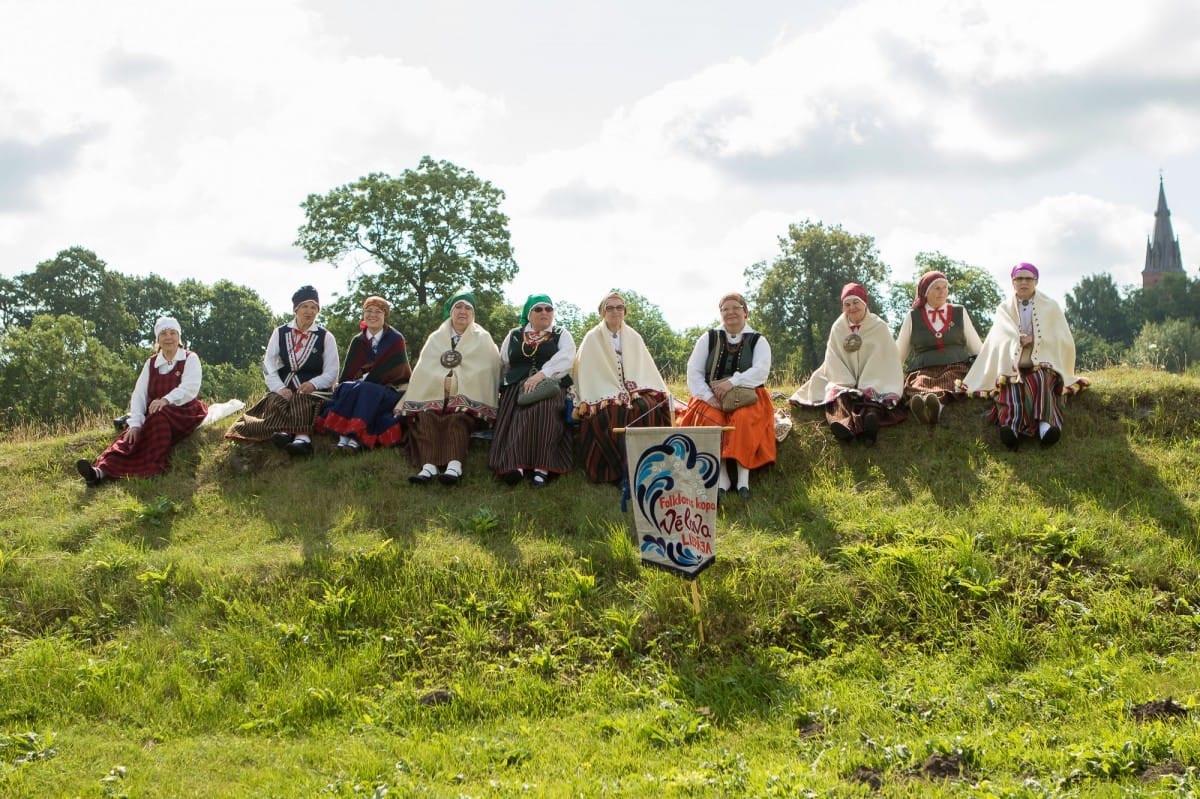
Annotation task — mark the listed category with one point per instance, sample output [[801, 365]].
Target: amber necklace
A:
[[535, 338]]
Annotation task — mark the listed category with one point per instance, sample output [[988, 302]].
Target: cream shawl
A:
[[874, 370], [474, 383], [1053, 347], [598, 376]]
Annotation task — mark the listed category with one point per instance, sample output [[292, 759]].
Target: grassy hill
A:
[[935, 616]]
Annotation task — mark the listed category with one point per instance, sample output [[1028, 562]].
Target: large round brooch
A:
[[451, 358], [853, 343]]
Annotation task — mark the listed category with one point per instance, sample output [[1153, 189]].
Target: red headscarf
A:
[[923, 286], [855, 290]]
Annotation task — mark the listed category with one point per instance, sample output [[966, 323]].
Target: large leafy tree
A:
[[1095, 305], [796, 297], [148, 298], [415, 240], [1172, 297], [223, 323], [970, 286], [76, 282], [56, 368]]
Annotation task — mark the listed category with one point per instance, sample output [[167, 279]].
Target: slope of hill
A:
[[931, 616]]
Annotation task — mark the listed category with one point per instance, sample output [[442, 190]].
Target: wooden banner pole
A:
[[696, 607]]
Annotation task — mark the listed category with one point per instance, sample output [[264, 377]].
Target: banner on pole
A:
[[673, 473]]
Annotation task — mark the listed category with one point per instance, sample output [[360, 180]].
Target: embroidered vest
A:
[[521, 363], [728, 362], [316, 359], [924, 343]]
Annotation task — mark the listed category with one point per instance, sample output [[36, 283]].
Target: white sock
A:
[[723, 483], [429, 470], [343, 441], [743, 476], [454, 468], [352, 443], [302, 437], [1042, 428]]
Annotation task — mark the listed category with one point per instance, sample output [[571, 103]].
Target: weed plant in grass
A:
[[935, 616]]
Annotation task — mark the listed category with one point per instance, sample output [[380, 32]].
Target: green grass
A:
[[932, 617]]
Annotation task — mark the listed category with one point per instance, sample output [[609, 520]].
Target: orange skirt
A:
[[752, 440]]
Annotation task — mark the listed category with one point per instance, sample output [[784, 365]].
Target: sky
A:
[[662, 147]]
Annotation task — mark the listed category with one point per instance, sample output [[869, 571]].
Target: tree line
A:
[[73, 332]]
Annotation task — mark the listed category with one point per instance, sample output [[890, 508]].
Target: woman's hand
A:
[[131, 434], [720, 389], [286, 393], [307, 387], [157, 405], [532, 381]]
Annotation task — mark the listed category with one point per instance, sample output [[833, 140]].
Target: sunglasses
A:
[[614, 307], [542, 309]]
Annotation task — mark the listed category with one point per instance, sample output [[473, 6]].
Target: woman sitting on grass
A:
[[860, 381], [733, 358], [163, 411], [942, 341], [300, 367], [618, 386], [1027, 363], [452, 393], [531, 436], [373, 379]]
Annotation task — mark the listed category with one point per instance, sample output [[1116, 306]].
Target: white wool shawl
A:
[[475, 384], [873, 370], [1053, 347], [598, 376]]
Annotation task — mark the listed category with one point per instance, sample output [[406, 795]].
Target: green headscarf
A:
[[465, 295], [532, 300]]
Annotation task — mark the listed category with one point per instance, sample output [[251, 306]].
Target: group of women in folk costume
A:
[[463, 383], [1026, 364]]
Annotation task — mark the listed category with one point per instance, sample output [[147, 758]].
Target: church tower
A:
[[1162, 252]]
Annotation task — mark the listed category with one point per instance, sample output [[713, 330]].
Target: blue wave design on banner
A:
[[655, 472]]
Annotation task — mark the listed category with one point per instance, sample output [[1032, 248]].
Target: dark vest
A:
[[728, 362], [316, 359], [924, 343], [521, 365]]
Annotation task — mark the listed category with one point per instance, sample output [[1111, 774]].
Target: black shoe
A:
[[299, 448], [88, 472], [870, 427], [420, 478], [1051, 437], [1010, 438], [449, 478], [540, 480], [933, 409], [841, 432], [281, 440], [744, 493], [511, 478]]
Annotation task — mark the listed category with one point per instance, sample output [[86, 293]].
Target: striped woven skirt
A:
[[1036, 396], [530, 436], [604, 451], [274, 414]]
